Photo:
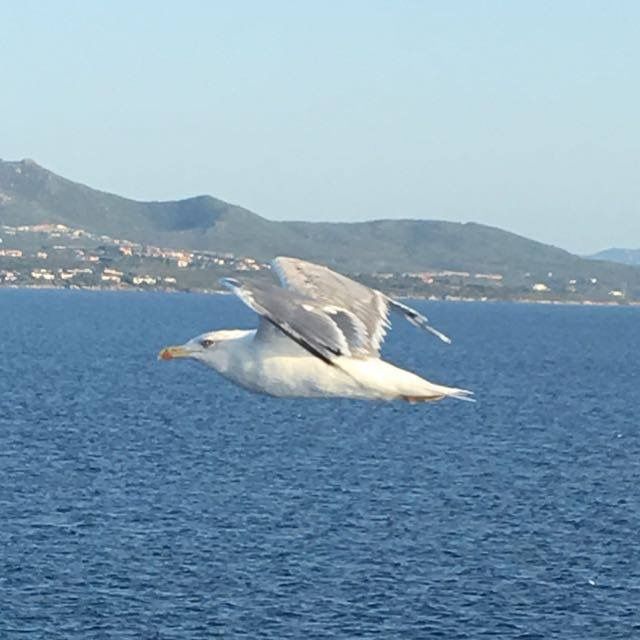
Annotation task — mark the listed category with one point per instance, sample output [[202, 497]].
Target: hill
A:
[[30, 194], [622, 256]]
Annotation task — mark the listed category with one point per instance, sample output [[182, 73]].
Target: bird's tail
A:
[[438, 392]]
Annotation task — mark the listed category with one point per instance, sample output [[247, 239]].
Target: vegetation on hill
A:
[[30, 194]]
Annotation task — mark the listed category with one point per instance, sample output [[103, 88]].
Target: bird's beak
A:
[[169, 353]]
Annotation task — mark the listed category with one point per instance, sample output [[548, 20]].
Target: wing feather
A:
[[298, 317], [369, 307], [365, 310]]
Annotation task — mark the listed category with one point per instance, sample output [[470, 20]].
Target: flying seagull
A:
[[319, 336]]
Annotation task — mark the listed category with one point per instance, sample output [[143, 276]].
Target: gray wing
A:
[[354, 300], [302, 319], [350, 302]]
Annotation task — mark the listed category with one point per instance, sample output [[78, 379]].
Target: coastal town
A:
[[55, 255]]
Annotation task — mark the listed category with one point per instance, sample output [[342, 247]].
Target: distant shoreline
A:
[[133, 289]]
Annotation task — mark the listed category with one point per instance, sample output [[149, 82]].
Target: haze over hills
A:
[[622, 256], [30, 194]]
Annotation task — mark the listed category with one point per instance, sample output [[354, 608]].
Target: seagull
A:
[[319, 335]]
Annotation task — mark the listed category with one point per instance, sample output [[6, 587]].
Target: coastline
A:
[[172, 290]]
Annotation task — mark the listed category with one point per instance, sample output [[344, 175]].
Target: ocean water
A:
[[151, 500]]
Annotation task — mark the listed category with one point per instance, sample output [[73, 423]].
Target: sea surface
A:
[[153, 500]]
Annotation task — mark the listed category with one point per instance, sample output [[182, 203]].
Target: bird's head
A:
[[204, 347]]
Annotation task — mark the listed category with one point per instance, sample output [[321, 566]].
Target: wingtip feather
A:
[[230, 283]]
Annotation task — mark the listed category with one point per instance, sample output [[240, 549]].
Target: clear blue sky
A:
[[523, 115]]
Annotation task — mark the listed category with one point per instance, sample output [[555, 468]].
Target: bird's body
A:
[[279, 367], [325, 345]]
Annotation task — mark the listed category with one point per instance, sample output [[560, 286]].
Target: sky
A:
[[522, 115]]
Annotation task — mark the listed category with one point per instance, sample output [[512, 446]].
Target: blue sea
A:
[[154, 500]]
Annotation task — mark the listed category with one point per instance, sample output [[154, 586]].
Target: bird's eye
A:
[[206, 343]]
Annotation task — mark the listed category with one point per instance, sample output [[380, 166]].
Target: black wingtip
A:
[[230, 283], [417, 319]]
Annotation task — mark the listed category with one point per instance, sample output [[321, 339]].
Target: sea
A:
[[154, 500]]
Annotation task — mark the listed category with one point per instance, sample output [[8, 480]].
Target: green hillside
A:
[[30, 194]]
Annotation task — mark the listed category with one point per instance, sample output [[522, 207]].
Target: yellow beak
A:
[[169, 353]]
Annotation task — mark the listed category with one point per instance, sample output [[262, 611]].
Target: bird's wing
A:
[[326, 334], [348, 301], [368, 306]]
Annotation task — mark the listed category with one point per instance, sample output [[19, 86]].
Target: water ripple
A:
[[144, 500]]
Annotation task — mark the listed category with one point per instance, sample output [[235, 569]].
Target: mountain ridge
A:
[[31, 194], [619, 255]]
